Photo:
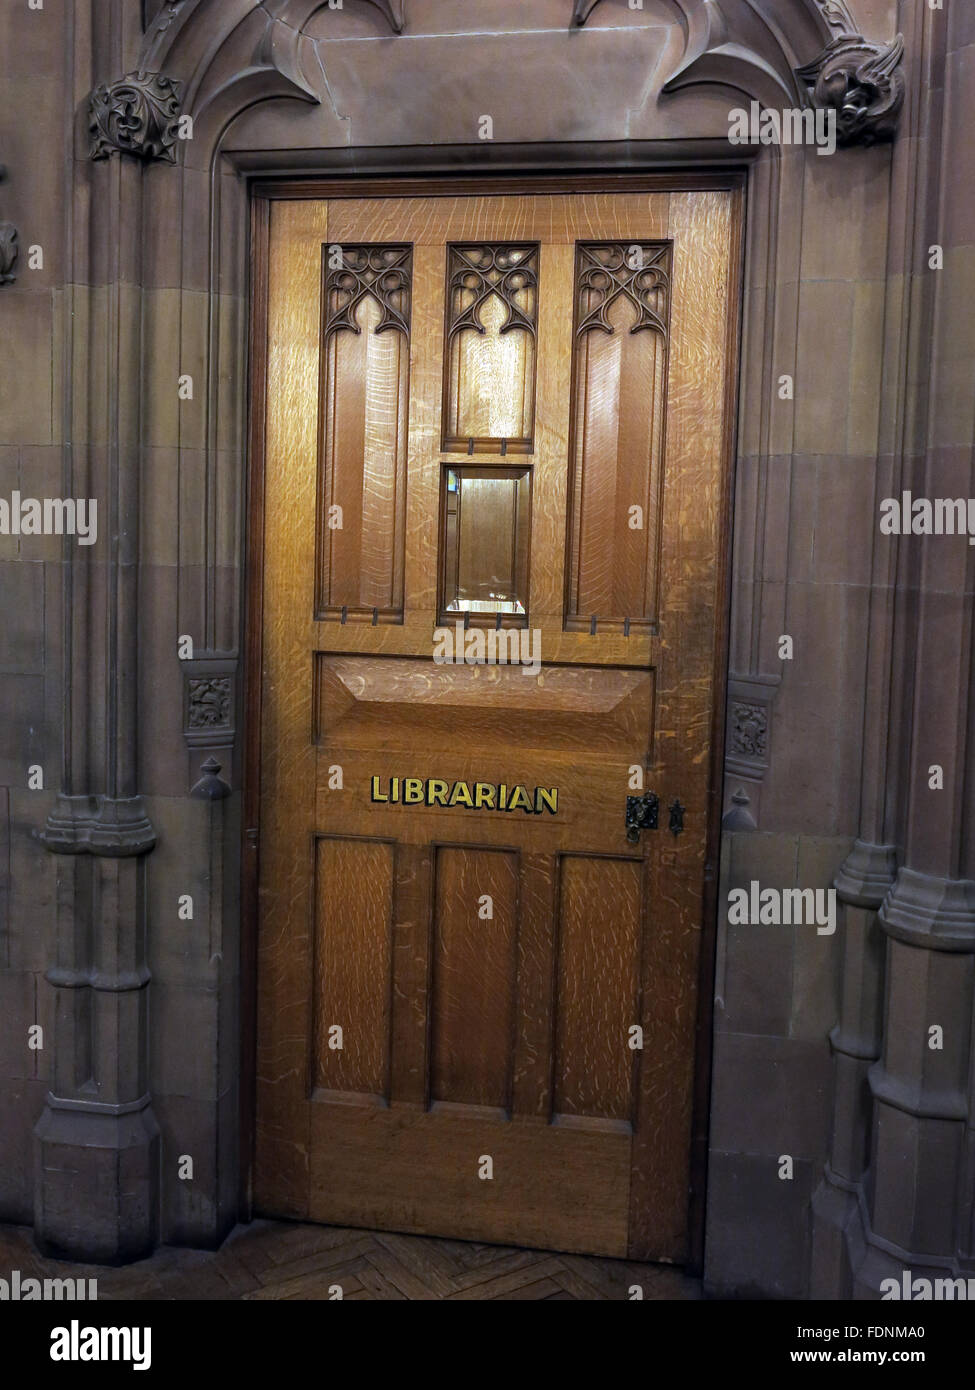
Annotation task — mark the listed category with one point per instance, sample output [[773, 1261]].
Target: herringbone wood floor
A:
[[282, 1260]]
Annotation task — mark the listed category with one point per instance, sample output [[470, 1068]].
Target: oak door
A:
[[494, 483]]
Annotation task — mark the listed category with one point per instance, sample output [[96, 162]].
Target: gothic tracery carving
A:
[[382, 272], [637, 270], [478, 272]]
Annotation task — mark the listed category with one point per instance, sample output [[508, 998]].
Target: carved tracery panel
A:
[[489, 367], [364, 420], [622, 298]]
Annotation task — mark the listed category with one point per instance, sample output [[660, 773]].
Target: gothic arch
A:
[[229, 54]]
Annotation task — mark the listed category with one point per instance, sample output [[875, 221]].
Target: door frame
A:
[[265, 190]]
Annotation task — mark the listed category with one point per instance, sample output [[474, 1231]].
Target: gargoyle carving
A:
[[863, 83]]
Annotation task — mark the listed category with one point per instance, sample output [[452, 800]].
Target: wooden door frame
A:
[[264, 191]]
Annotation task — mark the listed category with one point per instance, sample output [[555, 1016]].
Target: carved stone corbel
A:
[[9, 249], [8, 252], [863, 82], [137, 115]]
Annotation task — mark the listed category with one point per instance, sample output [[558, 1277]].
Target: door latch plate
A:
[[641, 814]]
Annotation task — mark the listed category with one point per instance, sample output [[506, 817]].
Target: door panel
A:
[[473, 1006], [597, 988], [353, 916], [458, 944]]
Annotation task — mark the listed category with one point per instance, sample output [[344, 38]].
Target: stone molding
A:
[[867, 875], [113, 827], [916, 1097], [931, 913]]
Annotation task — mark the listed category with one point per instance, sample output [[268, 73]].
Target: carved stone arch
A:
[[229, 54], [186, 35], [232, 53], [738, 44]]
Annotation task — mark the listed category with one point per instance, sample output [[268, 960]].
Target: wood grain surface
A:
[[506, 1036]]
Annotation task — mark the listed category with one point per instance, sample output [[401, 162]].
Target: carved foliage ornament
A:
[[210, 702], [636, 270], [383, 272], [138, 115], [863, 83], [749, 729]]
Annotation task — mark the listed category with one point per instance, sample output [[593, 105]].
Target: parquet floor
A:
[[284, 1260]]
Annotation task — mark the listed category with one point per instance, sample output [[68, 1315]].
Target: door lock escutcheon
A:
[[641, 814]]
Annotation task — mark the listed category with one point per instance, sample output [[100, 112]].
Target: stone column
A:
[[861, 885], [869, 872], [97, 1142], [916, 1188]]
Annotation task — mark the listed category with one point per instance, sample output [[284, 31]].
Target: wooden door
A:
[[503, 417]]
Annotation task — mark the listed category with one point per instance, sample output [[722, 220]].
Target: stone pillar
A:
[[916, 1194], [861, 886], [876, 1080], [97, 1142]]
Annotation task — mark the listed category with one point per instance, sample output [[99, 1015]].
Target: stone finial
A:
[[211, 786], [739, 817], [137, 115]]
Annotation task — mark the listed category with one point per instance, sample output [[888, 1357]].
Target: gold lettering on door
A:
[[476, 796]]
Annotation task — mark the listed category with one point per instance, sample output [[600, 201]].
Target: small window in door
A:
[[485, 543]]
